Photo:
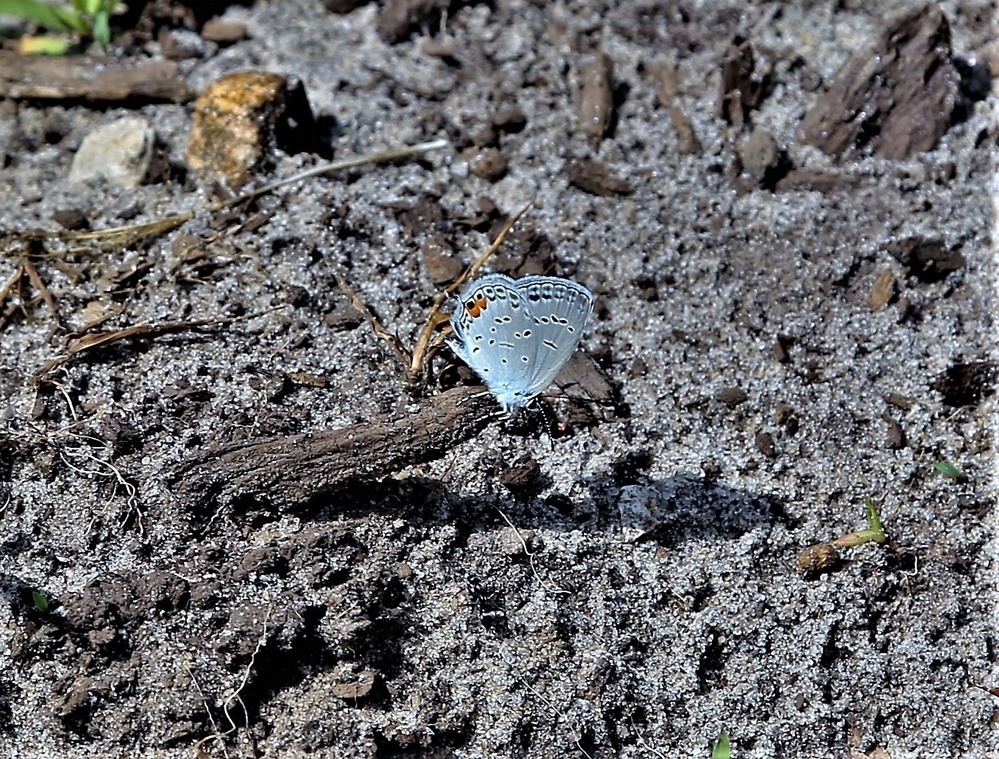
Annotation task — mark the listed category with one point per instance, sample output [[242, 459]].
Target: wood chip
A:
[[895, 437], [595, 178], [596, 96], [583, 378], [815, 179], [356, 688], [903, 402], [765, 444], [223, 32], [883, 290], [897, 96], [927, 259], [742, 89], [731, 396], [307, 379], [667, 90]]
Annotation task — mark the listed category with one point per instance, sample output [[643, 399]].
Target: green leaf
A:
[[53, 17], [948, 470], [91, 7], [103, 6], [102, 30], [41, 603], [722, 750]]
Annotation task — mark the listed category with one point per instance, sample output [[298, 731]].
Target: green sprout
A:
[[822, 557], [722, 750], [85, 18], [874, 534], [41, 602], [949, 470]]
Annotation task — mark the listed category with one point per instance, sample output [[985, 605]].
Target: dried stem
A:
[[394, 342]]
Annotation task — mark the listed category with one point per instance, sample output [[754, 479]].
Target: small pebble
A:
[[119, 153], [488, 164]]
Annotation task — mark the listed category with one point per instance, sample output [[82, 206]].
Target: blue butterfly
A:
[[517, 334]]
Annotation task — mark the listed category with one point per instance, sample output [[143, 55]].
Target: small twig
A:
[[293, 469], [393, 340], [97, 79]]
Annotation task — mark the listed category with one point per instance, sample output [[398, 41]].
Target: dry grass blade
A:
[[39, 285], [11, 282], [347, 163], [394, 342], [97, 339], [115, 235]]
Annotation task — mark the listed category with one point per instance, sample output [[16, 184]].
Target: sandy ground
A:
[[646, 597]]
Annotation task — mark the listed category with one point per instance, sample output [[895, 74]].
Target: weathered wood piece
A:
[[897, 96], [290, 470], [83, 77]]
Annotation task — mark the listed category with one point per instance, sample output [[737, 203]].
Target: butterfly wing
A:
[[493, 334], [559, 309]]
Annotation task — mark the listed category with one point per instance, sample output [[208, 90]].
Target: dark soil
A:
[[781, 334]]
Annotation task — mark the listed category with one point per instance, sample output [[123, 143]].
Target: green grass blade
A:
[[722, 749], [948, 470], [41, 602], [52, 17], [102, 29]]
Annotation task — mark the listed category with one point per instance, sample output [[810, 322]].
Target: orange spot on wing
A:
[[476, 307]]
